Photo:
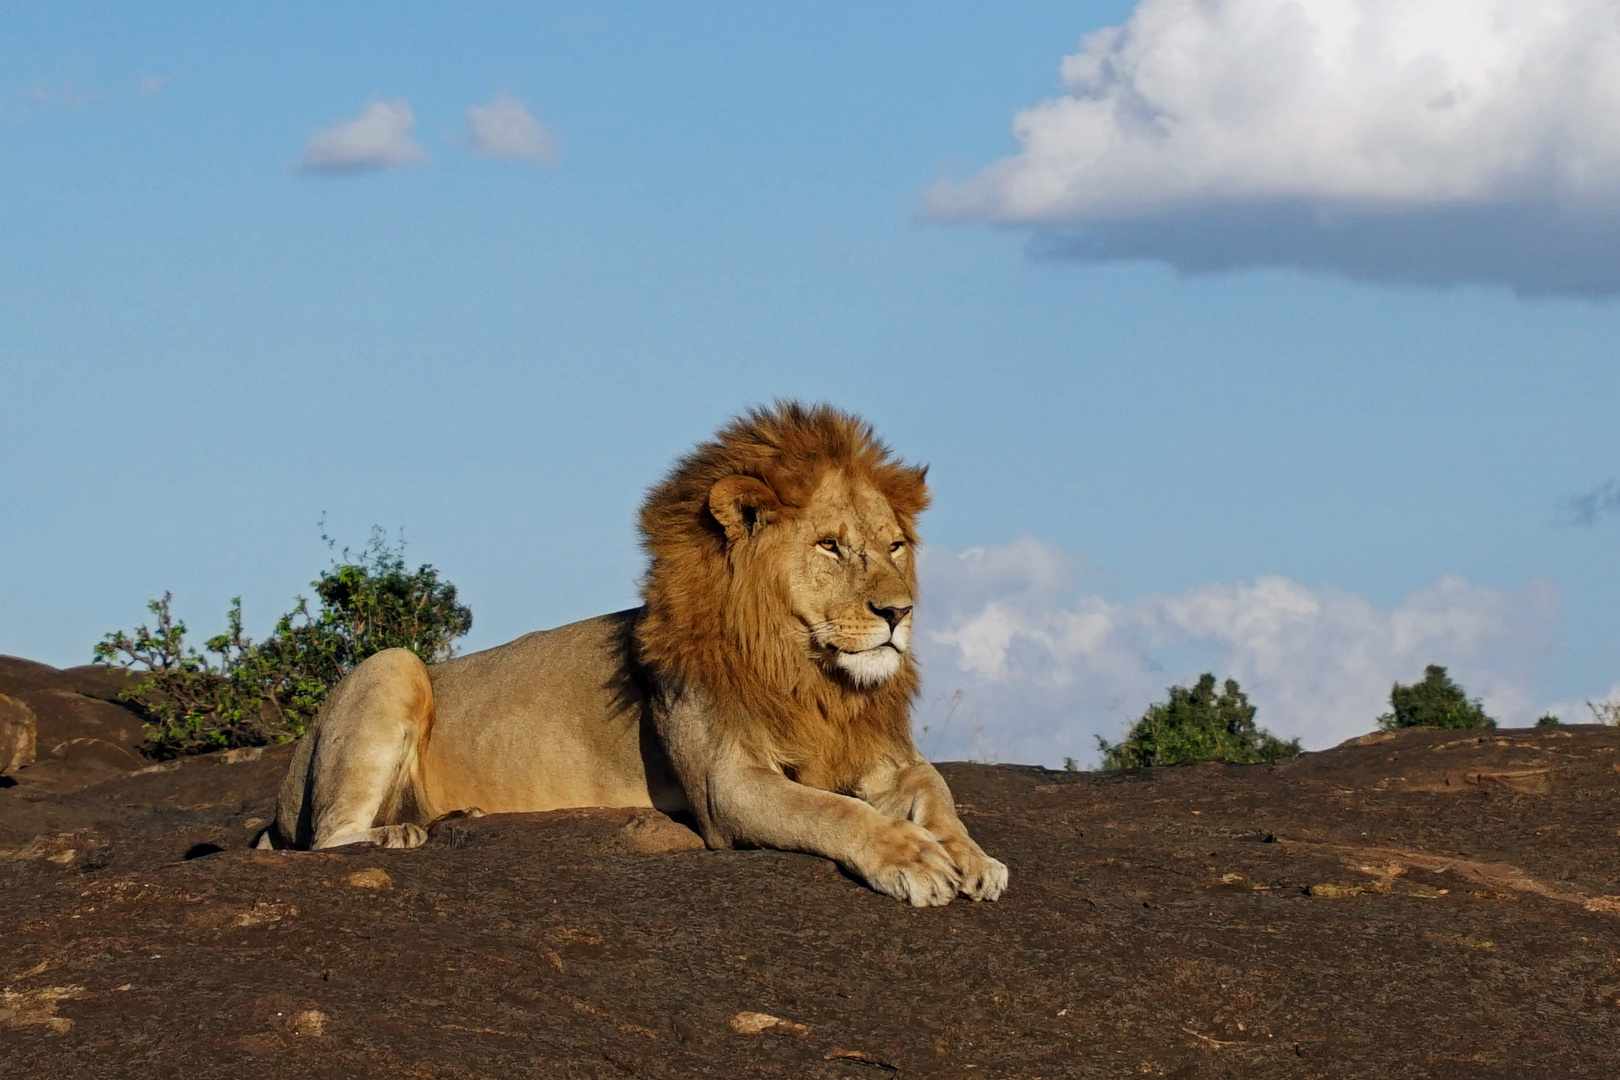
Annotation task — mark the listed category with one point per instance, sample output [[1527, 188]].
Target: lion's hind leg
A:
[[363, 770]]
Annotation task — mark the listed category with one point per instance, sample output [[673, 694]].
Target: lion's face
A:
[[842, 564], [847, 568]]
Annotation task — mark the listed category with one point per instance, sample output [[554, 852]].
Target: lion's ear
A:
[[742, 505]]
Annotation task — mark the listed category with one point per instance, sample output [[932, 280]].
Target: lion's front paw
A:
[[400, 836], [907, 863], [983, 878]]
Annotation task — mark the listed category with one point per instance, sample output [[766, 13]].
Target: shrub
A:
[[1197, 724], [1435, 702], [1605, 712], [238, 693]]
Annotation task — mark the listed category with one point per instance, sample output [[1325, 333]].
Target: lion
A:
[[762, 690]]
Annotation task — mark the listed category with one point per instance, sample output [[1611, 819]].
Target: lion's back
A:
[[553, 719]]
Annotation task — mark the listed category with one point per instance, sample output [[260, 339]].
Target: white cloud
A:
[[1340, 114], [1021, 666], [379, 138], [506, 129], [1359, 101]]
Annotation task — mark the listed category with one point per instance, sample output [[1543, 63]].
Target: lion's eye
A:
[[896, 546], [828, 543]]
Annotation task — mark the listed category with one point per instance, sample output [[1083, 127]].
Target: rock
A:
[[841, 1053], [372, 877], [1332, 891], [80, 703], [101, 681], [74, 765], [1345, 907], [19, 676], [18, 735], [652, 833], [1529, 781], [1371, 739], [98, 751], [63, 715], [21, 1009], [754, 1023], [76, 851]]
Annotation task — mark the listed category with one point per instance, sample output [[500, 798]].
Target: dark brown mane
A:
[[720, 624]]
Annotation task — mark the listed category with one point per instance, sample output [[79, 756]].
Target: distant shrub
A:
[[238, 693], [1436, 702], [1605, 712], [1197, 724], [1547, 720]]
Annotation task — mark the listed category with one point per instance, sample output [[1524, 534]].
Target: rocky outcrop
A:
[[62, 730], [19, 734], [1416, 904]]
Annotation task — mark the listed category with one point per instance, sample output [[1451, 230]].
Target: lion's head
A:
[[782, 580]]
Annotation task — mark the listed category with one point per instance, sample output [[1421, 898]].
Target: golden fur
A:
[[763, 689], [715, 619]]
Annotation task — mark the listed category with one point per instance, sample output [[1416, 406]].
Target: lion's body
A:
[[764, 689], [572, 730]]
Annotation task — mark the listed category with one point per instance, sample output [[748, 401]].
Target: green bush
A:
[[1435, 702], [1197, 724], [238, 693]]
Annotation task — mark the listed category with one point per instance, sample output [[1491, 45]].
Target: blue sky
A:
[[1212, 430]]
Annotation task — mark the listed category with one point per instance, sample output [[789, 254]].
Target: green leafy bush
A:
[[1197, 724], [1437, 702], [238, 693]]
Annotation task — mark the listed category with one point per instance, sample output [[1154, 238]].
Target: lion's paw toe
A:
[[915, 868], [986, 881], [919, 886], [401, 836]]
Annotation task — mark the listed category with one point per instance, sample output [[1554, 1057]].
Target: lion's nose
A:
[[891, 615]]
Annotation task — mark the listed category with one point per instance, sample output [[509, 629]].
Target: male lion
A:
[[763, 688]]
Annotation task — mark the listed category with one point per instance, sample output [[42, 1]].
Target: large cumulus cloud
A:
[[1429, 140], [1021, 664]]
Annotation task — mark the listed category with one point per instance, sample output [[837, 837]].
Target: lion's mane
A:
[[719, 619]]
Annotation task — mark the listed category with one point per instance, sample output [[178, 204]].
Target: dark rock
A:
[[101, 681], [19, 676], [80, 703], [63, 715], [1367, 911], [19, 735], [75, 764], [652, 833]]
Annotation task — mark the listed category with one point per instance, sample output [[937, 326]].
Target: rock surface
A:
[[19, 735], [1420, 904], [62, 730]]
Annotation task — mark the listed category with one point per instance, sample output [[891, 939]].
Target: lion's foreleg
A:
[[917, 793], [752, 805]]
